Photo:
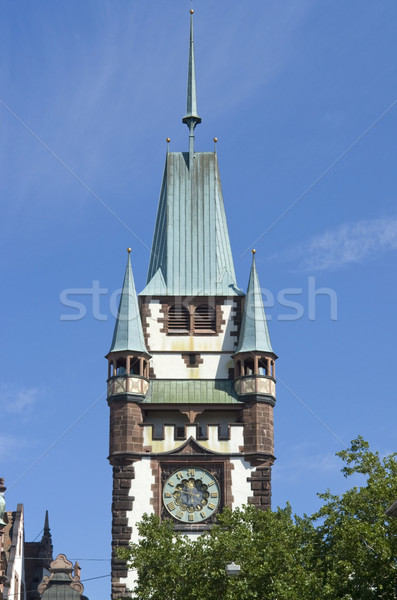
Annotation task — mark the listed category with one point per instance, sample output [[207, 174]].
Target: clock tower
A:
[[191, 369]]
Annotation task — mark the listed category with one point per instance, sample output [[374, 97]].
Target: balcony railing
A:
[[255, 384], [128, 384]]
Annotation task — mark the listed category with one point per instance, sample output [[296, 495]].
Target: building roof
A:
[[191, 391], [64, 582], [38, 557], [254, 334], [128, 333], [191, 253]]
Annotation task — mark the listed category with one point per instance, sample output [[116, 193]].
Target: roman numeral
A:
[[211, 506], [214, 494], [171, 506], [190, 472]]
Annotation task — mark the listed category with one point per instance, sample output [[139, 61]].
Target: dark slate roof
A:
[[254, 334], [191, 253], [128, 333]]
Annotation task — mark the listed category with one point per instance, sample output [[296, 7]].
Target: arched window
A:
[[204, 318], [178, 319]]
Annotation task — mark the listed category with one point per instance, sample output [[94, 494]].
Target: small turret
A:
[[128, 358], [254, 359]]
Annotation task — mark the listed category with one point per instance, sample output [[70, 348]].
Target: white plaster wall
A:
[[213, 443], [17, 565], [223, 419], [179, 343], [241, 488], [141, 489], [172, 366], [192, 535]]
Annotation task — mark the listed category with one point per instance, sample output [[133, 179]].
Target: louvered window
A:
[[178, 319], [204, 318]]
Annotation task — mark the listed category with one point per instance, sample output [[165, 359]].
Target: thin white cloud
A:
[[9, 445], [16, 399], [349, 243], [304, 460]]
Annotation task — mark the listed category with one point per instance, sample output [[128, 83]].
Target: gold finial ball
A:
[[129, 250], [253, 251], [168, 140], [215, 140], [191, 11]]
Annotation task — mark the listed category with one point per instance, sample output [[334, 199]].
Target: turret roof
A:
[[128, 333], [254, 334]]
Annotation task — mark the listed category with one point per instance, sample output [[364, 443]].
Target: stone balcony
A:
[[255, 385], [133, 385]]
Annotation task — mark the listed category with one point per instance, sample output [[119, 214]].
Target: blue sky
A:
[[301, 97]]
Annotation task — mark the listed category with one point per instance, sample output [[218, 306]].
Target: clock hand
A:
[[191, 493]]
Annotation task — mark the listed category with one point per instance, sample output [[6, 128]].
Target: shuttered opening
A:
[[178, 319], [204, 318]]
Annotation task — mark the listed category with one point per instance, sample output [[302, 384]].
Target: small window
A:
[[249, 367], [178, 319], [180, 431], [135, 366], [262, 365], [204, 318]]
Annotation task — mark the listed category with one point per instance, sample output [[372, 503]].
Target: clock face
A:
[[191, 495]]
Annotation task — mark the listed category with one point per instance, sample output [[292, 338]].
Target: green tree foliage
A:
[[345, 551], [358, 541]]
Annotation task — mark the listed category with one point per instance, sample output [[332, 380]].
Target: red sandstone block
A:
[[125, 483], [256, 485], [255, 501]]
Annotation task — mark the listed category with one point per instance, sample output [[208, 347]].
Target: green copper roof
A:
[[128, 334], [254, 334], [191, 252], [191, 391]]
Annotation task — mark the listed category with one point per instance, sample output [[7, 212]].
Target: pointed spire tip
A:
[[191, 118]]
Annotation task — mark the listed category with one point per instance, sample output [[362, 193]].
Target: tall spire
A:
[[128, 333], [191, 118], [46, 530], [254, 334]]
